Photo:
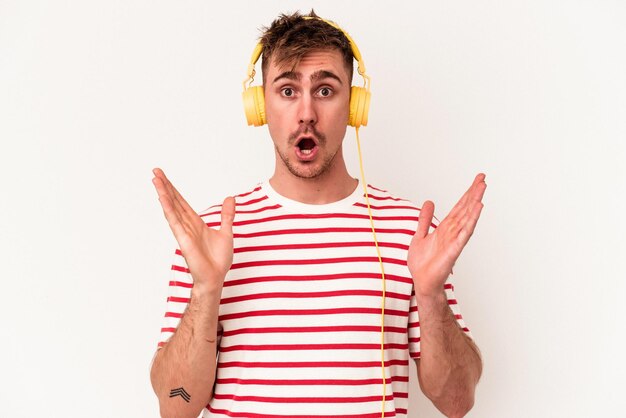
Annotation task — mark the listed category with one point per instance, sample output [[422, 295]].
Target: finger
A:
[[181, 221], [425, 219], [161, 183], [479, 193], [476, 211], [183, 208], [158, 172], [228, 214], [460, 205], [187, 211], [475, 199], [180, 216], [169, 210], [470, 221], [473, 196], [164, 194], [461, 216], [469, 195], [480, 178], [176, 197]]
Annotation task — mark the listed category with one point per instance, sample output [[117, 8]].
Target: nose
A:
[[307, 112]]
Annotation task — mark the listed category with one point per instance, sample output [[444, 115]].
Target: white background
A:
[[93, 95]]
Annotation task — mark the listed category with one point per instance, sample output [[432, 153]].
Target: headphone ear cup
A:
[[254, 105], [359, 106]]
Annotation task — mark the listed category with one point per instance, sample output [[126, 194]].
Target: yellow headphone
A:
[[254, 98]]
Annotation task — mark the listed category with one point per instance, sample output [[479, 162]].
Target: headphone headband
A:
[[258, 50]]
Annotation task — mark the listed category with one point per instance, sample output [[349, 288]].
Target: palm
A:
[[208, 252], [432, 255]]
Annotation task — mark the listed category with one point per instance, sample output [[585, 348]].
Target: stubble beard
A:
[[308, 171]]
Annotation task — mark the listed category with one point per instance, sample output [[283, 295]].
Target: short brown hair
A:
[[290, 37]]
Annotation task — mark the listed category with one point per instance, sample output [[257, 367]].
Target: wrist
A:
[[428, 285], [431, 298], [207, 295], [207, 287]]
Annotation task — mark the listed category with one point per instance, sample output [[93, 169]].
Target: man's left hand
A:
[[432, 255]]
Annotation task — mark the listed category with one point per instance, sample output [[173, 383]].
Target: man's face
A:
[[307, 113]]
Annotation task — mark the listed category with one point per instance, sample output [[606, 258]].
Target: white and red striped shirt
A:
[[300, 315]]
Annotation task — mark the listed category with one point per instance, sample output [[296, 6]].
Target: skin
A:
[[313, 100], [450, 365], [188, 359]]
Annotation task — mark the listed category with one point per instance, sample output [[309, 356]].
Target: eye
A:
[[287, 92], [325, 92]]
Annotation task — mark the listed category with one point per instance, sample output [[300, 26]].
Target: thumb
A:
[[425, 219], [228, 214]]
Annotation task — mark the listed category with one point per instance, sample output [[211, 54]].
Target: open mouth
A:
[[306, 146]]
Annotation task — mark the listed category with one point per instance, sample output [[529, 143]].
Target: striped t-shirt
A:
[[300, 314]]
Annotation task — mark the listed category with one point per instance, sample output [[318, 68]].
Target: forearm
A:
[[449, 366], [188, 360]]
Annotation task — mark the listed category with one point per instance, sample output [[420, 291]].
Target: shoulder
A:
[[384, 199], [253, 200], [383, 202]]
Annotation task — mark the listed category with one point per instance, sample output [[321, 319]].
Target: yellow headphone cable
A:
[[382, 270]]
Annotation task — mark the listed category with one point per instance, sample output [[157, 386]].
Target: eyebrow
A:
[[318, 75]]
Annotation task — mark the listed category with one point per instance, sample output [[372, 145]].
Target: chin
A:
[[321, 166], [306, 173]]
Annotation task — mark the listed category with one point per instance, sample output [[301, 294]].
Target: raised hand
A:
[[432, 255], [208, 252]]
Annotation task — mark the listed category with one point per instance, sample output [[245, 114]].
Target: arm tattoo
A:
[[180, 392]]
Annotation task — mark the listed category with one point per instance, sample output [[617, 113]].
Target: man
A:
[[284, 286]]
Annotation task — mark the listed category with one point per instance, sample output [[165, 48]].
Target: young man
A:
[[275, 307]]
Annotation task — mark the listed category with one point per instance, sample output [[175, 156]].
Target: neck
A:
[[331, 186]]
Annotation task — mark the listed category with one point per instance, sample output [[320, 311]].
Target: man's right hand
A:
[[208, 252]]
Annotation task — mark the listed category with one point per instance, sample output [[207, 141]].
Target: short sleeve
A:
[[414, 322]]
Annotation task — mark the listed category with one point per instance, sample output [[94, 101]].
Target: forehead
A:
[[326, 59]]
